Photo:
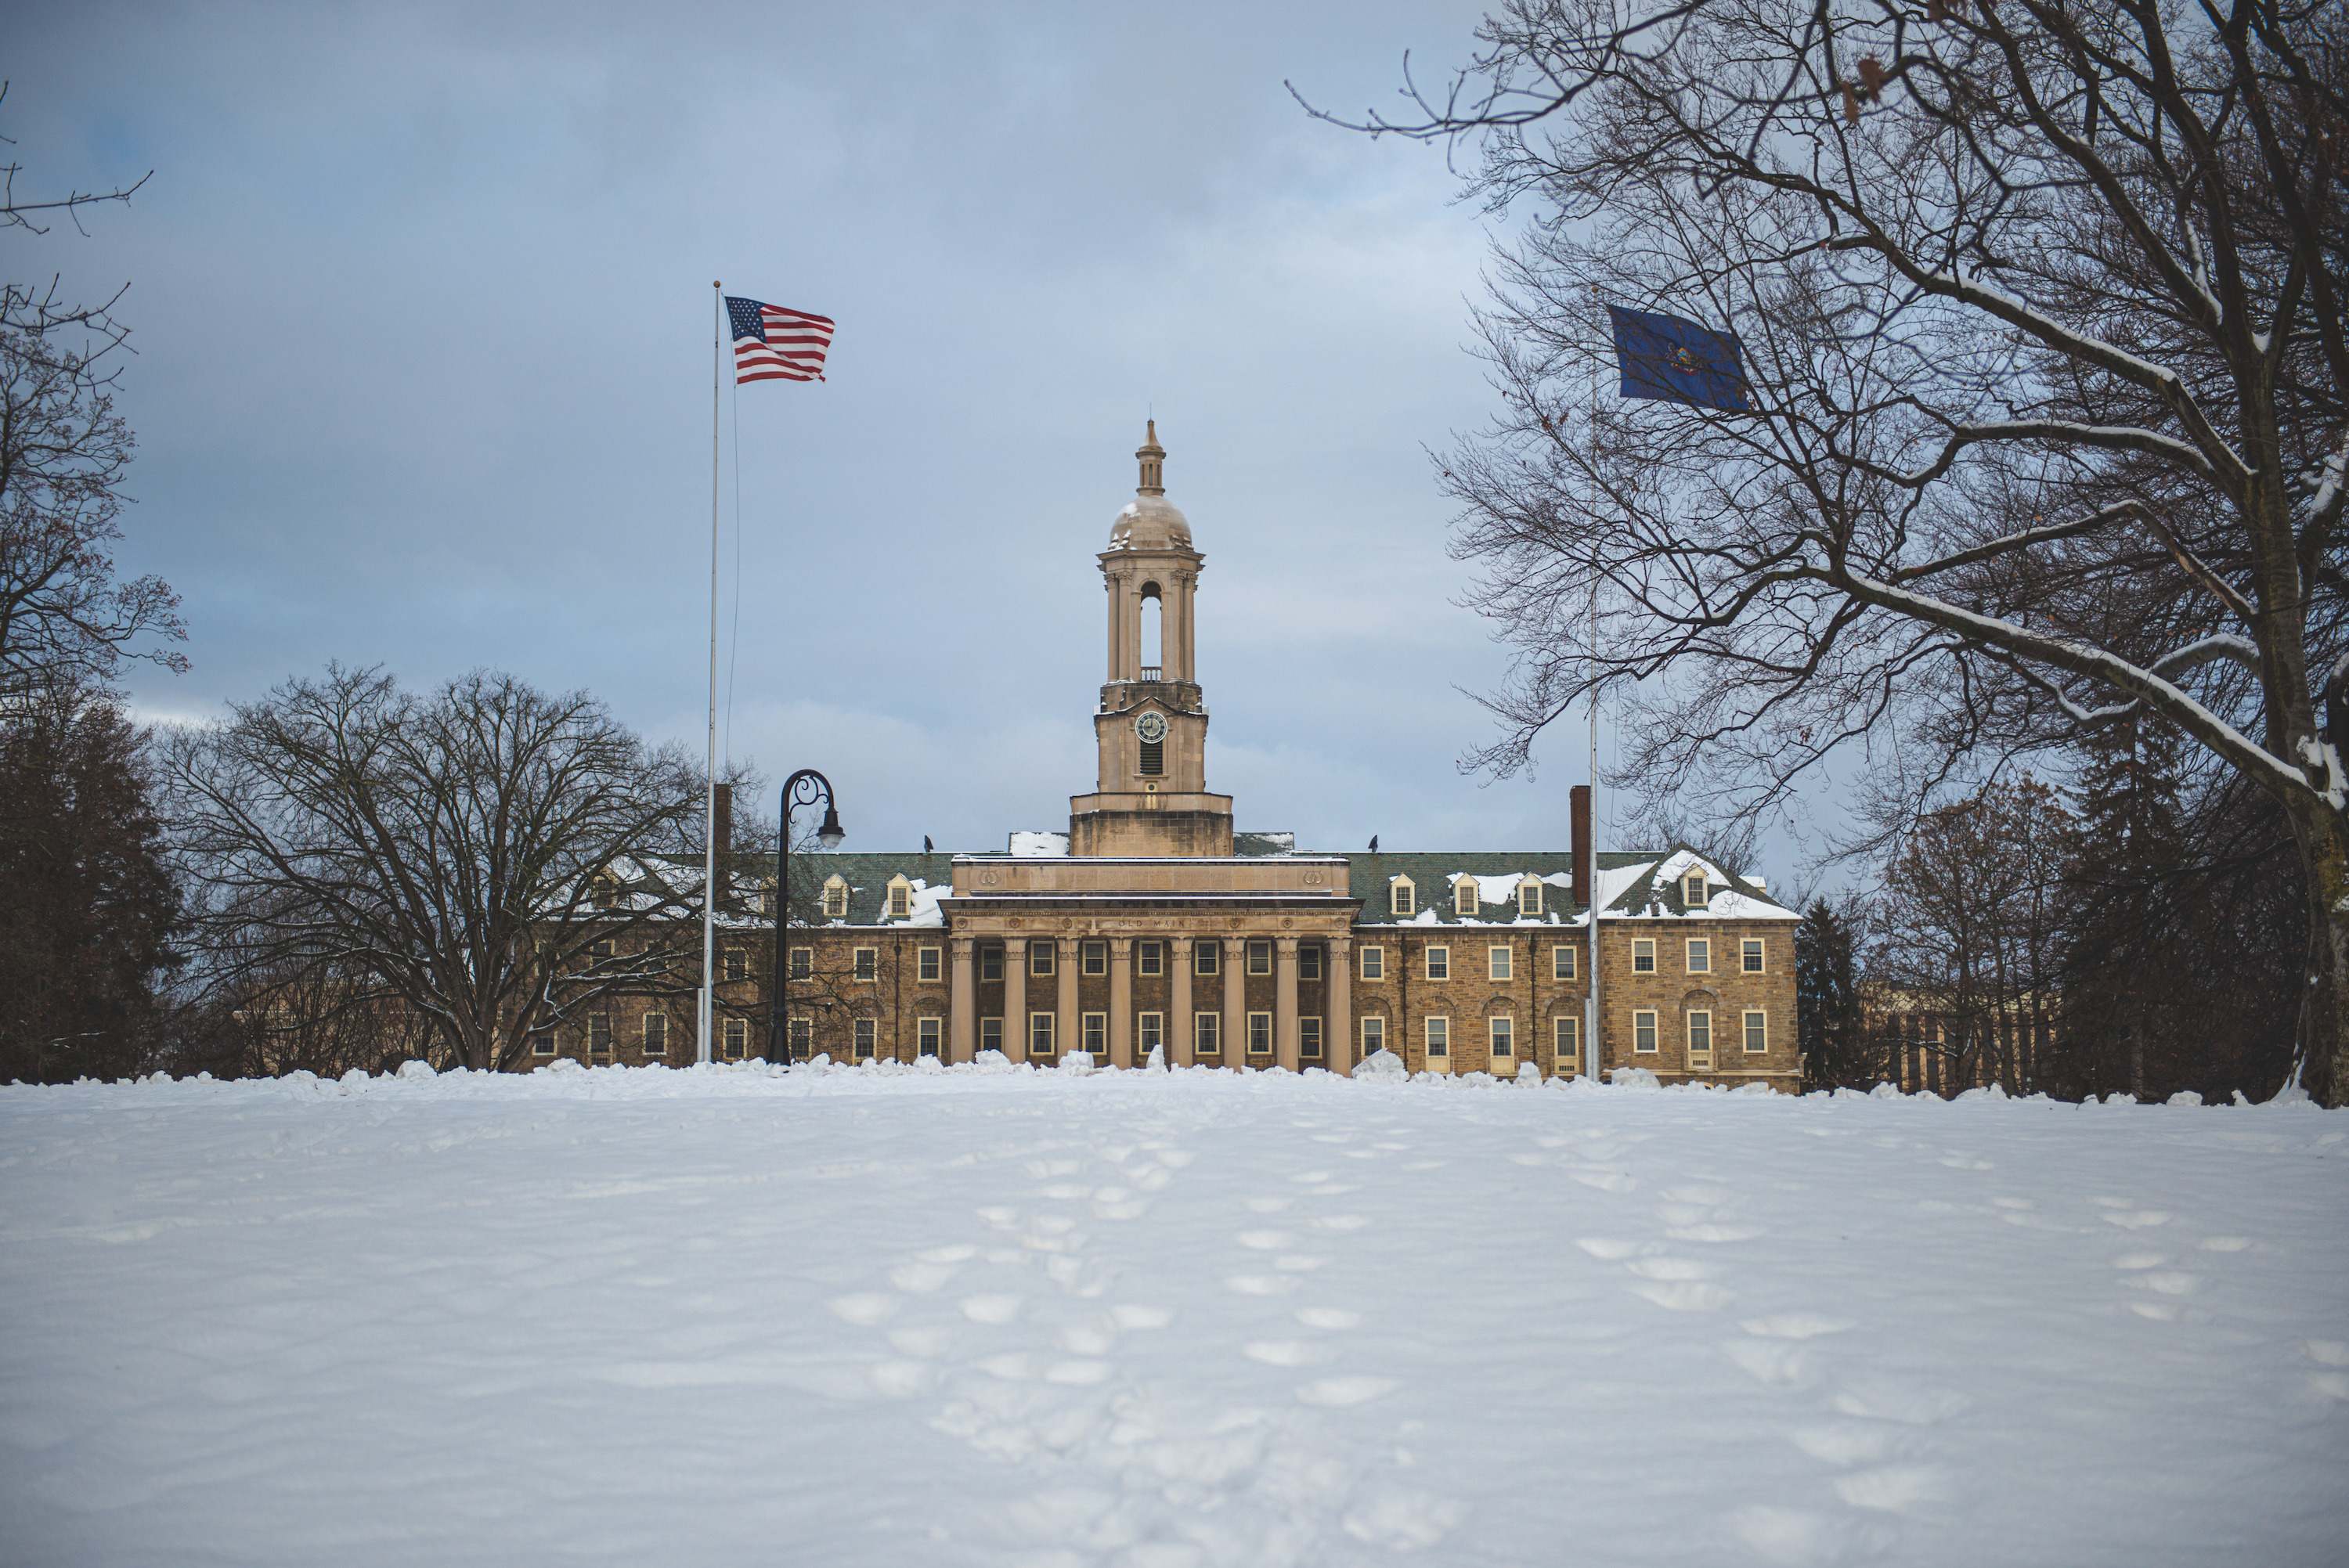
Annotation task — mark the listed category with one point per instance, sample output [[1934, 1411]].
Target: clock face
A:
[[1152, 727]]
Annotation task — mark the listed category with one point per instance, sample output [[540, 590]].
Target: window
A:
[[655, 1033], [927, 963], [599, 1034], [1700, 1027], [1259, 1034], [1260, 957], [1374, 1037], [1438, 1039], [1463, 895], [1497, 962], [1040, 1033], [1096, 956], [1154, 756], [1205, 1039], [1700, 955], [600, 948], [802, 963], [1439, 963], [1093, 1029], [1529, 897], [929, 1034], [803, 1039], [542, 1042], [1401, 898], [868, 964], [1753, 964], [1040, 959], [1203, 956], [1643, 956], [1374, 963], [901, 898], [864, 1039], [1150, 1032], [1501, 1037], [737, 1038], [1309, 963], [1643, 1033], [1308, 1039], [990, 962], [1757, 1033], [736, 964], [1561, 962], [1150, 958], [1567, 1031], [1694, 891], [990, 1035], [836, 899]]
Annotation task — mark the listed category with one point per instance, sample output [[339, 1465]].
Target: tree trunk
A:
[[2318, 1063]]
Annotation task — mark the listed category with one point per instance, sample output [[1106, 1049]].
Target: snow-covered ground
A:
[[718, 1316]]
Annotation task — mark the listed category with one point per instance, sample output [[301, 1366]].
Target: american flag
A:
[[772, 344]]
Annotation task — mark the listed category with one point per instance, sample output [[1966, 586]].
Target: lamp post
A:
[[805, 787]]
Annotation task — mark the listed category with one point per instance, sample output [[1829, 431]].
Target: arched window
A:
[[836, 898], [1401, 898], [1463, 895]]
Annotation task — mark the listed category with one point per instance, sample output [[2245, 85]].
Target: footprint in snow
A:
[[864, 1309], [1262, 1284], [1266, 1240], [991, 1308], [1328, 1317], [1286, 1352], [1795, 1325], [1337, 1393], [1914, 1404]]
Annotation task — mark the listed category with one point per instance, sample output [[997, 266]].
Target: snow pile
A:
[[738, 1315]]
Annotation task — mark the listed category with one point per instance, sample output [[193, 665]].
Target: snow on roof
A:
[[1037, 846]]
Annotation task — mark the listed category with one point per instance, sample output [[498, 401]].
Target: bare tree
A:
[[2044, 379], [1971, 929], [481, 856], [64, 617]]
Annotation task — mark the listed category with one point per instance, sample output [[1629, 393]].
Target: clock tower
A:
[[1151, 797]]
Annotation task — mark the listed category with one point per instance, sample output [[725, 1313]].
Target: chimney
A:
[[722, 834], [1578, 812]]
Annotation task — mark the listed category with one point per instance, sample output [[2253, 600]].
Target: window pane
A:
[[802, 963], [1567, 1029], [1309, 1038], [1040, 958], [928, 969], [1752, 957], [1499, 963], [1374, 963], [1439, 963], [863, 1035], [1097, 1033], [1147, 959], [1643, 957], [1700, 955], [990, 1034], [1309, 963], [1758, 1034], [1439, 1037], [1260, 957], [1205, 1039], [1203, 957], [927, 1034], [655, 1033], [1040, 1033], [1259, 1034], [1152, 1031], [1644, 1031], [1374, 1035], [1096, 957], [867, 962], [1700, 1034], [1503, 1040], [1561, 962]]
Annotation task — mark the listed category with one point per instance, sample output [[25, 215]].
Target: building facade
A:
[[1152, 930]]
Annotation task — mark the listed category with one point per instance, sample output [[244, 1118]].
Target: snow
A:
[[1040, 845], [923, 907], [900, 1317]]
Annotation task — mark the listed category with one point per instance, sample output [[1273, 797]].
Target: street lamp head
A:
[[831, 833]]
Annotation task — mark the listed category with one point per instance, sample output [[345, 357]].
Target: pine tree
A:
[[1828, 1020]]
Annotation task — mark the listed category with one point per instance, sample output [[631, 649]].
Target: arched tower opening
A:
[[1153, 624]]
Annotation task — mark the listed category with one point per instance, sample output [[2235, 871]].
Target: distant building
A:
[[1151, 926]]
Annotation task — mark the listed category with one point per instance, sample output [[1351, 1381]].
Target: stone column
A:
[[1116, 627], [1235, 1001], [1284, 1003], [1179, 1039], [1121, 1000], [1015, 997], [962, 1004], [1065, 1038], [1338, 1028]]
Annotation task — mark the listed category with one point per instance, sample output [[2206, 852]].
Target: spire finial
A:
[[1153, 463]]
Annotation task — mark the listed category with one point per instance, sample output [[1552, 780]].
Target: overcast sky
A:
[[422, 310]]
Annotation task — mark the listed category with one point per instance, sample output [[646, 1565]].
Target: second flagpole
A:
[[709, 781]]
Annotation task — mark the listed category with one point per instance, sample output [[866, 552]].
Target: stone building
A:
[[1152, 927]]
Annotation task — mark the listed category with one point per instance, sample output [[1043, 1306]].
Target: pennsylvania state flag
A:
[[1678, 361]]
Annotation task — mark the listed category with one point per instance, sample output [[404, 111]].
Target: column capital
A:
[[1068, 944], [1285, 946], [1121, 945], [1182, 944], [1341, 944], [1233, 943], [962, 945]]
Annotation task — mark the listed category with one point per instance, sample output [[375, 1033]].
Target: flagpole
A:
[[1590, 1055], [710, 782]]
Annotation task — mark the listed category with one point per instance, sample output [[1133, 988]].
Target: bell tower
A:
[[1151, 729]]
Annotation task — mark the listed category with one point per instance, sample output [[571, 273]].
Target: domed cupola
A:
[[1150, 522]]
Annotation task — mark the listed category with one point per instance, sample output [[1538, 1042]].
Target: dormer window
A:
[[1695, 891], [836, 899], [1529, 896], [1402, 897], [901, 898], [1463, 895]]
